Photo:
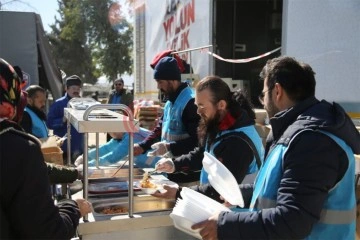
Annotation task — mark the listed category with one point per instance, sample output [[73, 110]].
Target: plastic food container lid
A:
[[222, 180]]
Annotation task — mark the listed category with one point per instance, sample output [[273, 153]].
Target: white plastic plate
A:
[[222, 180]]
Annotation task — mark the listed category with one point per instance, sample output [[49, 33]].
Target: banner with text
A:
[[178, 25]]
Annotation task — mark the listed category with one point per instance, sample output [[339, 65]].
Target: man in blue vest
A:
[[34, 117], [176, 132], [226, 130], [305, 189], [57, 121]]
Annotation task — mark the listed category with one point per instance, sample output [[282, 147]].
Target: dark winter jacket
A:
[[61, 174], [27, 209], [126, 98], [312, 165]]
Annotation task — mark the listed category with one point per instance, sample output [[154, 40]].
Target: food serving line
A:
[[152, 219]]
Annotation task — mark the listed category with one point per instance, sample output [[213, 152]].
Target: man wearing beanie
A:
[[176, 132], [57, 121]]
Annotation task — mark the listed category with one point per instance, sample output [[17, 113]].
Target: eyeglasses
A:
[[262, 95], [201, 107]]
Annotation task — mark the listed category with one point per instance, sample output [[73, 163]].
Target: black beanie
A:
[[167, 69], [73, 80]]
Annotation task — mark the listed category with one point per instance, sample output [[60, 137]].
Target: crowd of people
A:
[[299, 185]]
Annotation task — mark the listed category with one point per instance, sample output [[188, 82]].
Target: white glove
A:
[[80, 170], [165, 165], [79, 160], [160, 148]]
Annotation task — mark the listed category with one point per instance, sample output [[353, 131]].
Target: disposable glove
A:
[[80, 170], [79, 160], [165, 165], [160, 148]]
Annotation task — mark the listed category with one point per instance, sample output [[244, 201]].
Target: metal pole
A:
[[68, 128], [85, 171], [97, 150], [130, 115], [192, 49]]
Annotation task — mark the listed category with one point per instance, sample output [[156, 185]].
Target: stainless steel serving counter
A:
[[100, 120], [86, 116], [159, 227], [151, 219]]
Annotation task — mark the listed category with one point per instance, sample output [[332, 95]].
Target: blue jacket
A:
[[313, 175], [55, 122], [115, 150]]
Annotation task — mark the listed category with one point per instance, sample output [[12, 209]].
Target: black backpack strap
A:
[[246, 139]]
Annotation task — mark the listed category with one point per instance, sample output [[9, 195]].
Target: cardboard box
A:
[[261, 116], [263, 130], [53, 155]]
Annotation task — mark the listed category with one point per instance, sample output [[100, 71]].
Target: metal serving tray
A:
[[143, 205]]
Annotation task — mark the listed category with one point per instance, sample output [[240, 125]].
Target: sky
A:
[[47, 9]]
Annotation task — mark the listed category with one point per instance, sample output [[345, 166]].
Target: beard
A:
[[168, 91], [271, 109], [208, 129]]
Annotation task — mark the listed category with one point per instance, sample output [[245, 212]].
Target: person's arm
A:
[[112, 151], [190, 118], [189, 162], [26, 122], [306, 180], [153, 137], [61, 174]]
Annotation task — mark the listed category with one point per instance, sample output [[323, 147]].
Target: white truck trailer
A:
[[323, 33]]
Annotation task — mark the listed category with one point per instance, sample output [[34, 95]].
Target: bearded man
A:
[[34, 116], [176, 132], [226, 130]]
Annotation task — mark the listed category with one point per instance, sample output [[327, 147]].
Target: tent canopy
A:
[[23, 43]]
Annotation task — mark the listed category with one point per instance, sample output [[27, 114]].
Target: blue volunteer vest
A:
[[38, 127], [251, 132], [338, 214], [173, 128]]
